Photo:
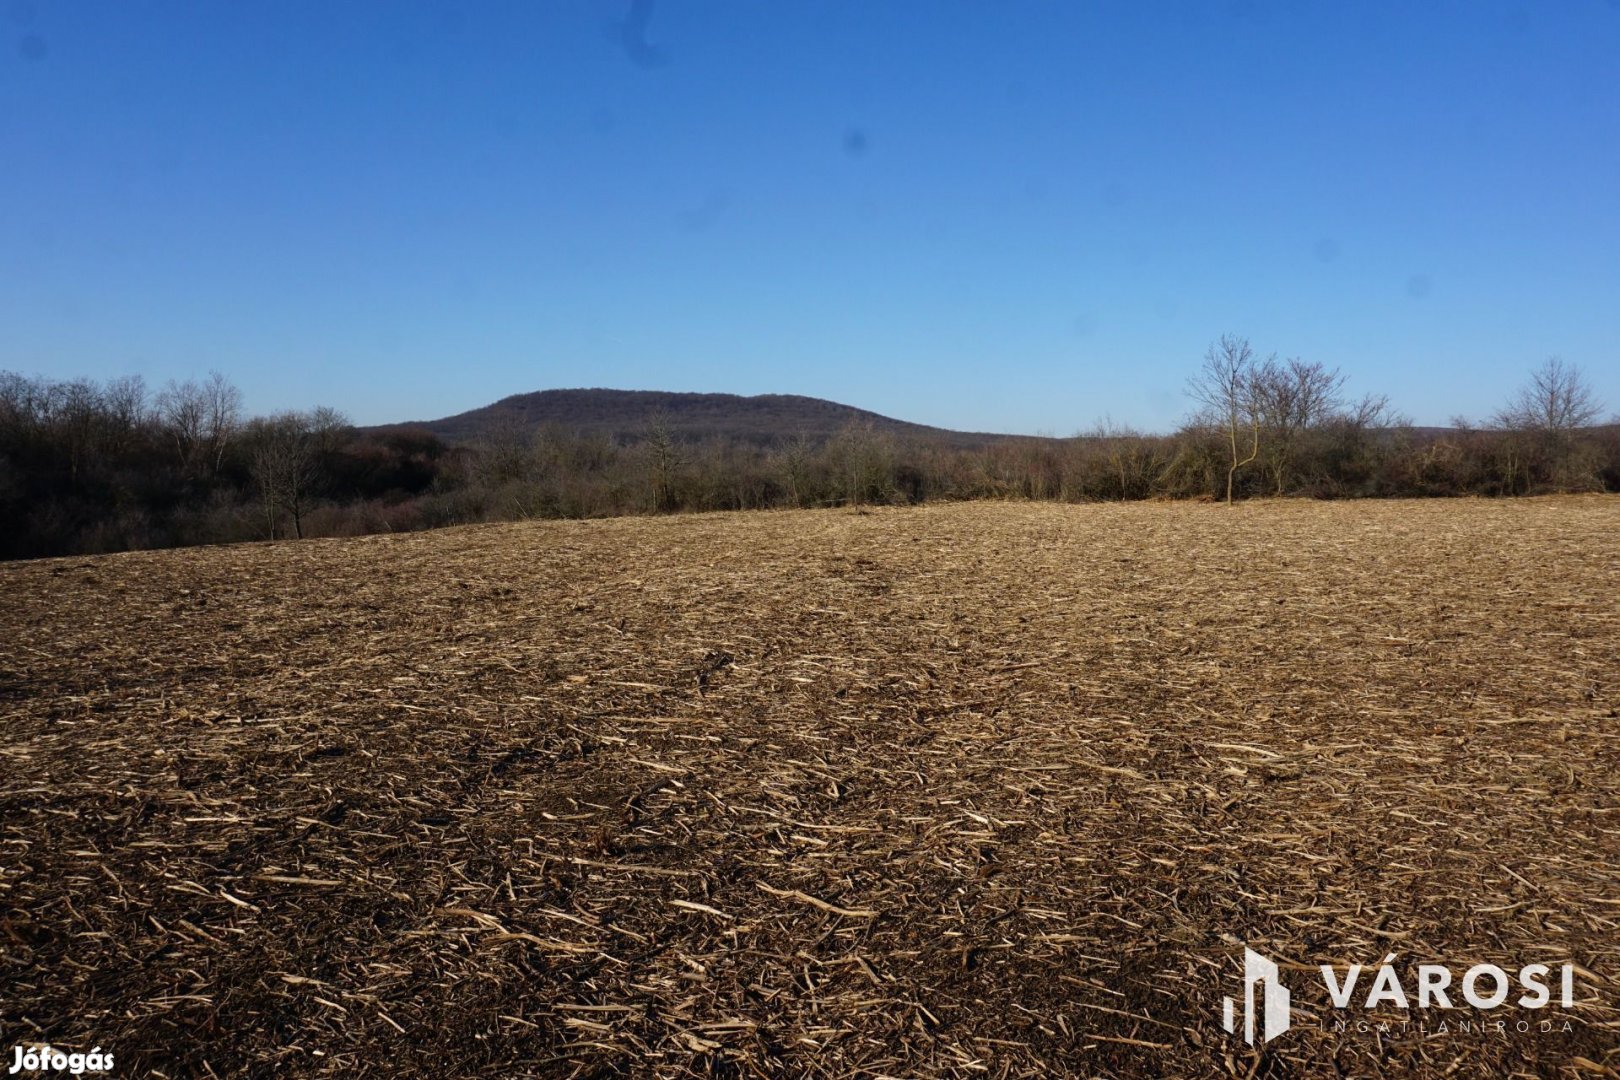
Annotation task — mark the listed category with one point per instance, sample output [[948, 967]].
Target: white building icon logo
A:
[[1275, 1020]]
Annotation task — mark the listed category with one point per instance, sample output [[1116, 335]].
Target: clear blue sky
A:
[[994, 216]]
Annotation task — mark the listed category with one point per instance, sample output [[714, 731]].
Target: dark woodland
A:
[[89, 467]]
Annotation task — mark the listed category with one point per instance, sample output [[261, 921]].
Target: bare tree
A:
[[222, 412], [511, 461], [793, 461], [90, 423], [125, 400], [1288, 400], [1557, 399], [289, 453], [328, 427], [1374, 411], [504, 451], [864, 460], [664, 456], [1543, 420], [1125, 455], [200, 419], [182, 411], [1224, 385], [76, 412], [123, 406]]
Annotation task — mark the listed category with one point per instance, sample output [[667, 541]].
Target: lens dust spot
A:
[[707, 212], [1325, 249], [856, 143], [1418, 286], [631, 35], [32, 47]]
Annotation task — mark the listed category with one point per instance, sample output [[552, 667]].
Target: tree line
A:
[[93, 467]]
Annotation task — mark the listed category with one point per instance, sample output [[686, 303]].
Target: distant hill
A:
[[623, 415]]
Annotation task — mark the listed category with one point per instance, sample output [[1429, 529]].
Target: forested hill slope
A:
[[625, 414]]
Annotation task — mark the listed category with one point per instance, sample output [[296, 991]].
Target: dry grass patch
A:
[[986, 789]]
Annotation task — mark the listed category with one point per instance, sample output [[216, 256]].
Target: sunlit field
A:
[[987, 789]]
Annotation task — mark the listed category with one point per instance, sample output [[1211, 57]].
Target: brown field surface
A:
[[966, 790]]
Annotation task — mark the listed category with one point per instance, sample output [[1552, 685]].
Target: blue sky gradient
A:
[[1011, 217]]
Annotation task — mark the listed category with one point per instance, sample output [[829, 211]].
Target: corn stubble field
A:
[[965, 790]]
